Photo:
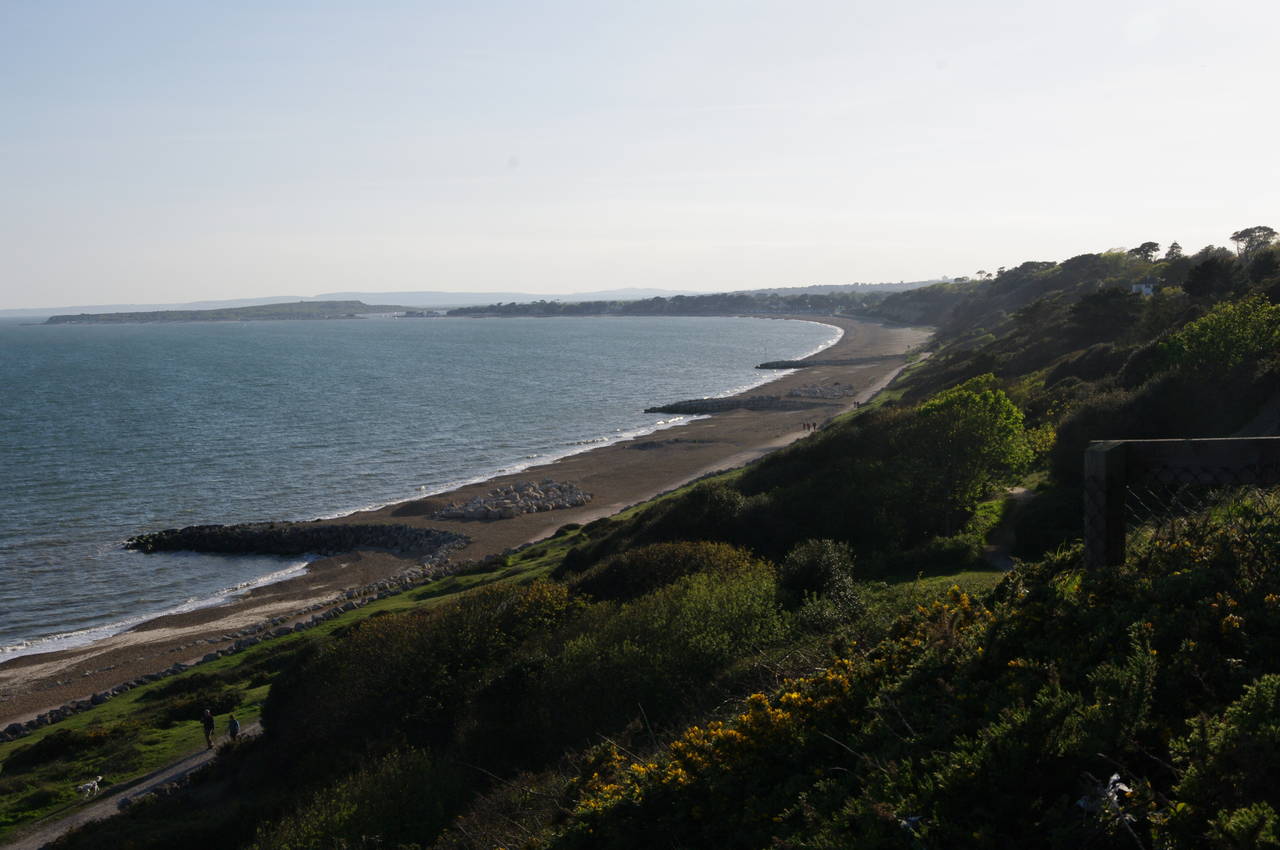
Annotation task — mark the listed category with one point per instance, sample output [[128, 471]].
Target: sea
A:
[[107, 431]]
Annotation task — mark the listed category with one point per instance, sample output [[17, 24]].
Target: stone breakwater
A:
[[845, 361], [830, 391], [718, 405], [522, 497], [287, 538]]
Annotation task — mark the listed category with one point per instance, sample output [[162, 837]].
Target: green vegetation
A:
[[837, 300], [813, 652]]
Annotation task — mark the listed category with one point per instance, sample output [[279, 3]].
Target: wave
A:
[[83, 637]]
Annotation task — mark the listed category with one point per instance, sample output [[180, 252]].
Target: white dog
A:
[[90, 788]]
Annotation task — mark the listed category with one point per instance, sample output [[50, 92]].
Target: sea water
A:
[[107, 431]]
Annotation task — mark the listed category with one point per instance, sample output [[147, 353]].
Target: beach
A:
[[617, 476]]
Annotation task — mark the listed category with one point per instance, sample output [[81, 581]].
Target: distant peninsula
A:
[[256, 313]]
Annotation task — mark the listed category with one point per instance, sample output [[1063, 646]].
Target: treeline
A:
[[717, 304], [772, 658]]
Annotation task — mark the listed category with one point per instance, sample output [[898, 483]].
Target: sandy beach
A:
[[617, 475]]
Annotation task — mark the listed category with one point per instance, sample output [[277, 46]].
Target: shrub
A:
[[643, 570], [189, 684], [816, 566], [399, 798], [218, 701], [1227, 336], [55, 745], [407, 675], [1229, 762], [661, 650]]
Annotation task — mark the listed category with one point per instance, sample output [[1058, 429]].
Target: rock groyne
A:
[[828, 391], [287, 538], [696, 406], [522, 497], [845, 361]]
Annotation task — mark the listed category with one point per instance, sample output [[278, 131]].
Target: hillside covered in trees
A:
[[814, 652], [817, 300]]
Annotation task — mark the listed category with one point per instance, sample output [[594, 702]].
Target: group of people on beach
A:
[[810, 426], [206, 720]]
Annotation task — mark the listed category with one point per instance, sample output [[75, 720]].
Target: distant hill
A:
[[259, 312], [444, 300], [471, 299], [834, 288]]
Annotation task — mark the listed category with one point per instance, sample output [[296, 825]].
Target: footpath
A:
[[112, 801]]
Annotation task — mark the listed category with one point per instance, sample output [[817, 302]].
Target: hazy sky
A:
[[169, 151]]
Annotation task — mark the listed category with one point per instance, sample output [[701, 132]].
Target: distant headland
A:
[[255, 313]]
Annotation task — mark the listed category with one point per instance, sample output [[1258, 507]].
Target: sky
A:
[[170, 151]]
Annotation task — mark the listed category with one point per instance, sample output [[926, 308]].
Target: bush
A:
[[218, 702], [1095, 362], [399, 798], [1229, 335], [55, 745], [1229, 763], [660, 651], [640, 571], [816, 566], [181, 685], [407, 675]]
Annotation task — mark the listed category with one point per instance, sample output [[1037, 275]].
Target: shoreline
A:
[[618, 474]]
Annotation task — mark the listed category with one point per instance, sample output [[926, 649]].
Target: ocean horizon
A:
[[114, 430]]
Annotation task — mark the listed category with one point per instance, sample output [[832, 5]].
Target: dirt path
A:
[[108, 803], [1001, 538]]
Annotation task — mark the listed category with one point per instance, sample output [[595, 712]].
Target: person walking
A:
[[206, 720], [233, 726]]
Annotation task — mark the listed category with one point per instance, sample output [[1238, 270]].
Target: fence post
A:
[[1104, 495]]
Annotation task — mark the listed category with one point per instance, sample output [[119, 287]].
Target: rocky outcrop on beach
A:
[[696, 406], [828, 391], [288, 538], [845, 361], [522, 497]]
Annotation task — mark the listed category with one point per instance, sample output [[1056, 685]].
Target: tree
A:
[[1146, 251], [1105, 314], [966, 440], [1211, 278], [1174, 252], [1264, 266], [1249, 240], [1230, 334]]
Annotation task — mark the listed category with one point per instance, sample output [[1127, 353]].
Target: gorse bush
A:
[[1230, 783]]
